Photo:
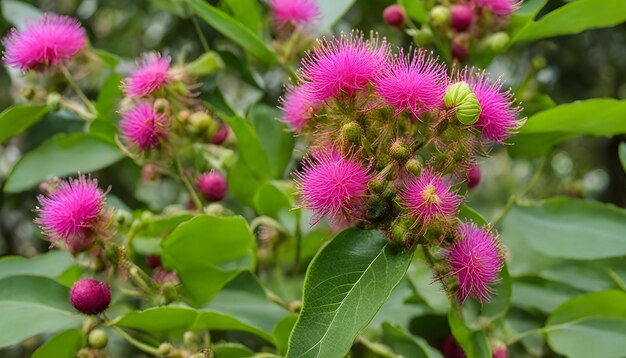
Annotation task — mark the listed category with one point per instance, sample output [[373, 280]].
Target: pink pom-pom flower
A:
[[144, 126], [49, 40], [295, 12], [333, 185], [429, 196], [152, 73], [476, 260], [499, 7], [72, 212], [343, 65], [297, 107], [414, 83], [497, 120]]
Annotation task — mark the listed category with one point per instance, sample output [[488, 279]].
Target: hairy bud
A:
[[352, 132], [413, 166], [53, 101], [461, 97]]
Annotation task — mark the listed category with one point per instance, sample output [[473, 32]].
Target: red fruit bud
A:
[[90, 296], [499, 350], [473, 176], [220, 136], [450, 348], [150, 172], [394, 15], [462, 17], [212, 185], [459, 51], [153, 261]]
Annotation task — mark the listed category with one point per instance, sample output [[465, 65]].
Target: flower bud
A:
[[352, 132], [413, 166], [295, 306], [150, 172], [460, 96], [28, 92], [90, 296], [164, 349], [394, 15], [459, 51], [499, 350], [473, 176], [199, 122], [220, 136], [399, 150], [377, 184], [153, 261], [423, 37], [191, 338], [400, 230], [462, 17], [498, 41], [53, 101], [440, 15], [161, 105], [183, 116], [212, 185], [98, 339]]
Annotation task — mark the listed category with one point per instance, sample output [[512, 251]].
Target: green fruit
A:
[[440, 15], [98, 339], [460, 96]]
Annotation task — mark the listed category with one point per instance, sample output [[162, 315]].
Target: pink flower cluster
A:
[[295, 12]]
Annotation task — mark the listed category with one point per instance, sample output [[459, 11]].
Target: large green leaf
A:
[[346, 284], [277, 141], [247, 12], [622, 154], [51, 264], [275, 199], [234, 30], [63, 345], [19, 117], [32, 305], [473, 342], [206, 64], [251, 148], [207, 252], [330, 12], [159, 319], [416, 10], [61, 155], [596, 117], [534, 294], [109, 96], [18, 13], [573, 18], [593, 325], [476, 314], [406, 344], [569, 228]]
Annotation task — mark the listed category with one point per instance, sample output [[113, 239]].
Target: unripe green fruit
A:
[[468, 108], [199, 122], [440, 15], [352, 132], [399, 150], [53, 101], [413, 166], [98, 339], [498, 41], [164, 349]]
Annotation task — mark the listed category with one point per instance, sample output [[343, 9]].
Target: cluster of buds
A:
[[391, 139]]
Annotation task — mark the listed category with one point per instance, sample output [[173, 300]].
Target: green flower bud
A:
[[199, 122], [440, 15], [53, 101], [498, 41], [98, 339], [399, 150], [352, 132], [165, 349], [400, 230], [413, 166], [29, 92], [377, 184], [423, 37], [460, 95], [295, 306], [161, 105]]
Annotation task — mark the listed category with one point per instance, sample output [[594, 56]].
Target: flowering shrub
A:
[[258, 183]]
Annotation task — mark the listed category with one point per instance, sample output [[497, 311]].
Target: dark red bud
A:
[[450, 348], [90, 296], [220, 136], [462, 17], [459, 51], [473, 176], [394, 15], [153, 261]]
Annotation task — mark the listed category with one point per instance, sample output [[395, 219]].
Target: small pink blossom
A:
[[497, 120], [414, 83], [143, 126], [212, 185], [152, 73], [500, 7], [71, 213], [476, 260], [295, 12], [333, 185], [49, 40], [429, 196], [342, 65], [297, 107]]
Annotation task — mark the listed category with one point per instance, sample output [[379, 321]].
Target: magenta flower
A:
[[429, 196], [414, 83], [500, 7], [497, 121], [212, 185], [297, 108], [72, 212], [333, 185], [49, 40], [143, 126], [476, 260], [343, 65], [151, 74], [295, 12]]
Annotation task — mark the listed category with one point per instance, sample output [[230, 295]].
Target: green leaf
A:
[[159, 319], [207, 252], [397, 310], [108, 58], [622, 154], [596, 117], [416, 10], [593, 325], [51, 264], [277, 141], [476, 314], [427, 287], [61, 155], [104, 129], [406, 344], [534, 294], [109, 96], [246, 12], [466, 212], [573, 18], [209, 62], [242, 182], [569, 228], [32, 305], [18, 13], [275, 199], [282, 331], [251, 148], [474, 343], [234, 30], [346, 284], [63, 345], [331, 11], [231, 350], [19, 117]]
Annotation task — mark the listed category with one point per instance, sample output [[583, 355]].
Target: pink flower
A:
[[212, 185], [143, 126], [297, 108], [71, 213], [343, 65], [295, 12], [497, 121], [415, 83], [151, 75], [500, 7], [476, 260], [333, 185], [49, 40], [429, 196]]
